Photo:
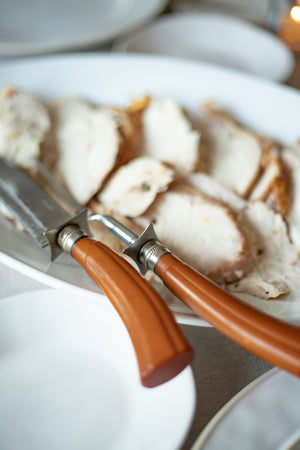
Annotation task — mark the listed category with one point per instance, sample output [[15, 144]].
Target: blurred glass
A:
[[284, 20]]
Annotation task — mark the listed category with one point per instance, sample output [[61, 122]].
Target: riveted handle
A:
[[273, 340], [162, 350]]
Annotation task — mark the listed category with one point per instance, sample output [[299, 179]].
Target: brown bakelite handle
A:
[[162, 350], [275, 341]]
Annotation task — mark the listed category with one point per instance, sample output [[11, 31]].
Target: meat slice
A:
[[230, 153], [169, 136], [89, 145], [128, 122], [209, 186], [272, 186], [276, 264], [291, 159], [201, 231], [133, 187], [24, 124], [248, 163]]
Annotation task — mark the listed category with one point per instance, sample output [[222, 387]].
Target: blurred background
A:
[[261, 37]]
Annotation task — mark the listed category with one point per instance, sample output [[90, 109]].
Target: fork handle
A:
[[275, 341], [161, 348]]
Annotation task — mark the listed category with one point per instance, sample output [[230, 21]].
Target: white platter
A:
[[264, 415], [216, 39], [69, 380], [37, 27], [115, 79]]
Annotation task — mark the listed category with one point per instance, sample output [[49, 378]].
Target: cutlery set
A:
[[161, 348]]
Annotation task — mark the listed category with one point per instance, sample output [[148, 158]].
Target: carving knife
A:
[[269, 338], [161, 348]]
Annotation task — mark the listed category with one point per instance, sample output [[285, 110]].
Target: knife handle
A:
[[161, 348], [275, 341]]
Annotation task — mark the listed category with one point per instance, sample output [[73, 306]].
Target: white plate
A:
[[217, 39], [256, 10], [115, 79], [69, 380], [67, 24], [265, 415]]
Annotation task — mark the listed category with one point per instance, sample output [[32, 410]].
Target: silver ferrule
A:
[[68, 236], [146, 250], [151, 253]]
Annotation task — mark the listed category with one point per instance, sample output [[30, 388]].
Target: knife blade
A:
[[161, 348], [269, 338]]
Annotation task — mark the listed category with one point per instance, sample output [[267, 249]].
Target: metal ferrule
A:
[[68, 236], [151, 253], [146, 250]]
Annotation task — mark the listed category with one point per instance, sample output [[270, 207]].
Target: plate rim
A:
[[220, 415]]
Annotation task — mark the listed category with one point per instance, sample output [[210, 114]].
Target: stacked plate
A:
[[214, 38], [69, 24]]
